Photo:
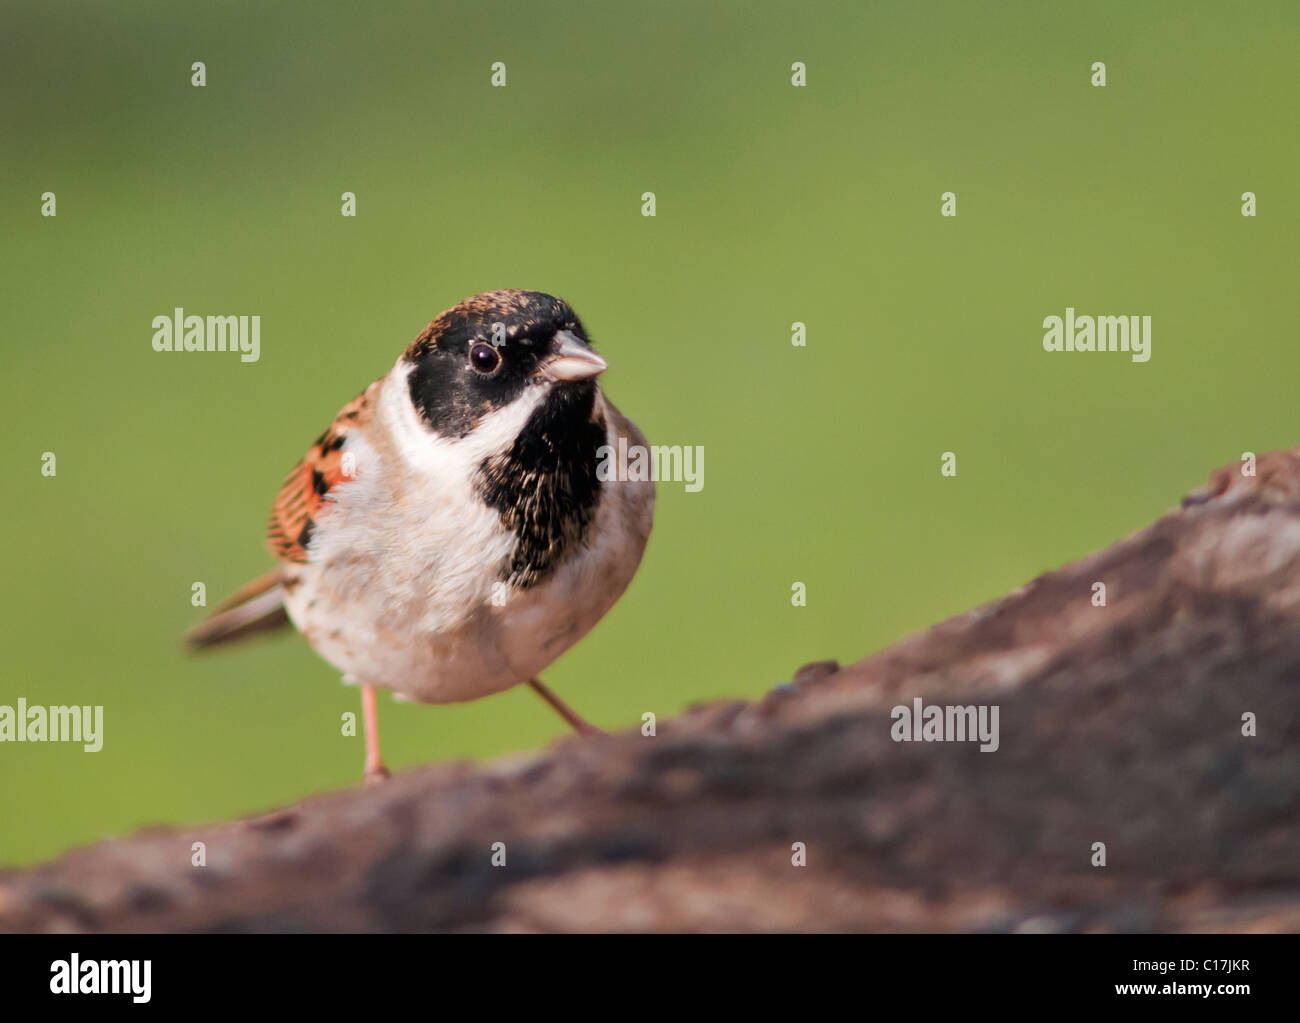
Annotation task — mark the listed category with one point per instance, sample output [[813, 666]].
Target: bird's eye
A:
[[484, 357]]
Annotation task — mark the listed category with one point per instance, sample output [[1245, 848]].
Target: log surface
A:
[[1119, 724]]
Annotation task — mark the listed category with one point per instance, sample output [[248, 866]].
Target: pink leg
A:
[[564, 710], [375, 769]]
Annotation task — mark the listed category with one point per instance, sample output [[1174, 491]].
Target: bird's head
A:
[[500, 350]]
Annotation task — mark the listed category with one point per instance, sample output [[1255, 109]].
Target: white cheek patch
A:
[[425, 451], [432, 547]]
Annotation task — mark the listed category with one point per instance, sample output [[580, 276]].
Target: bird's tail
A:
[[257, 606]]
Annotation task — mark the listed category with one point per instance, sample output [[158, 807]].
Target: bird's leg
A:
[[375, 769], [564, 710]]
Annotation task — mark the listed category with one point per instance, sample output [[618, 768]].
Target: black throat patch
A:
[[545, 487]]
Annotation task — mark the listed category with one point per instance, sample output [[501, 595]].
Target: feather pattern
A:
[[302, 496]]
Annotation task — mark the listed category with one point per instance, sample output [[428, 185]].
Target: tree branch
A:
[[1120, 724]]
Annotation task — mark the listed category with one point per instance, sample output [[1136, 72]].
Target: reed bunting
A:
[[450, 535]]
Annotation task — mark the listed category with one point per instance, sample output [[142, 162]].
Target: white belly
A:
[[382, 631]]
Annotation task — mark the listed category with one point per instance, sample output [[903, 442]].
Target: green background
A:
[[775, 204]]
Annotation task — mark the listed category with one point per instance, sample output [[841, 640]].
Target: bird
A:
[[453, 531]]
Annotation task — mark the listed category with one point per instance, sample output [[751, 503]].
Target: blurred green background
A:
[[775, 204]]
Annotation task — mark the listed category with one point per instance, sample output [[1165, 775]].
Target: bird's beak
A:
[[571, 359]]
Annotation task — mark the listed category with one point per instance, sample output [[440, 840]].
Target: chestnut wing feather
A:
[[303, 494]]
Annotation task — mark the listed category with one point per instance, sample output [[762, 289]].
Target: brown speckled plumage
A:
[[298, 504]]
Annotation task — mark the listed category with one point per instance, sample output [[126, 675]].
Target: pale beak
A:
[[571, 359]]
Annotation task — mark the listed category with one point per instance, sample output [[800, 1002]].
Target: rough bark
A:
[[1120, 724]]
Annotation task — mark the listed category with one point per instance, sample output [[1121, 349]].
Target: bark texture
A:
[[1120, 724]]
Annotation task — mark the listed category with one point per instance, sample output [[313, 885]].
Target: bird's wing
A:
[[298, 505]]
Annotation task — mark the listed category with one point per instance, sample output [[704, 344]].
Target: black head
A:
[[490, 350]]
